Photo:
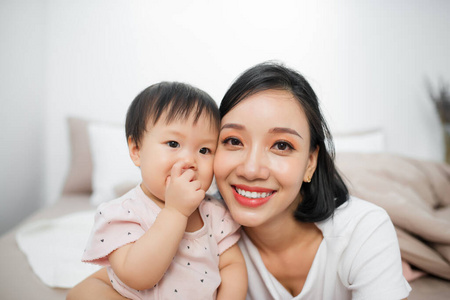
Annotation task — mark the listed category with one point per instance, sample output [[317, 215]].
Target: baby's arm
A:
[[233, 273], [142, 264]]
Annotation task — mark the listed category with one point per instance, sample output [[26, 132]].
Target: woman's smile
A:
[[252, 196]]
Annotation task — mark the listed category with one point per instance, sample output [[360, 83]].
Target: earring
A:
[[308, 179]]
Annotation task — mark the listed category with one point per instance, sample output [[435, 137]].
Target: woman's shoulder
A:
[[362, 242], [357, 206], [353, 214]]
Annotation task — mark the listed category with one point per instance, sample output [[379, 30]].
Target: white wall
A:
[[366, 61], [21, 109], [387, 50]]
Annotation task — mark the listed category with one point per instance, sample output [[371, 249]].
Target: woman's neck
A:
[[278, 236], [287, 249]]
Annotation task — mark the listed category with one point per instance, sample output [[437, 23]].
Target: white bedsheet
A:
[[54, 247]]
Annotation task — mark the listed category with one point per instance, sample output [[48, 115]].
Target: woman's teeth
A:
[[252, 195]]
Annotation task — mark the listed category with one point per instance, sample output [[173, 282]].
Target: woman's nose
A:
[[253, 166]]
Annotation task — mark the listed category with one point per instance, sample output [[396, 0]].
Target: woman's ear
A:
[[312, 164], [135, 154]]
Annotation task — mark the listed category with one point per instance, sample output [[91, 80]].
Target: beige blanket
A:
[[416, 195]]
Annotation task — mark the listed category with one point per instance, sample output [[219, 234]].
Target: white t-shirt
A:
[[358, 258]]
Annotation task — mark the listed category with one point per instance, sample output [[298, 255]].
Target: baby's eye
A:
[[205, 151], [232, 141], [173, 144], [283, 146]]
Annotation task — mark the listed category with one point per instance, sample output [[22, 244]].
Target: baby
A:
[[167, 239]]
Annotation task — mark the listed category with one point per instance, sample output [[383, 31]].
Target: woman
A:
[[303, 237]]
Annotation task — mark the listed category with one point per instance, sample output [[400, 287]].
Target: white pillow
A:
[[111, 162], [363, 142]]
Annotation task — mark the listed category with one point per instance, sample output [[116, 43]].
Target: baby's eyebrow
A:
[[233, 126], [285, 130]]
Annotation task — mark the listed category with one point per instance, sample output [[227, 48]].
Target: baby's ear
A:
[[133, 148]]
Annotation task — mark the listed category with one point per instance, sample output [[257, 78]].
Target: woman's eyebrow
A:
[[233, 126], [285, 130]]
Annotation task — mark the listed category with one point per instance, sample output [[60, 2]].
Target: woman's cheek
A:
[[288, 172]]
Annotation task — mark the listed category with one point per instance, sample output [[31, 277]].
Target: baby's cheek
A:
[[209, 173]]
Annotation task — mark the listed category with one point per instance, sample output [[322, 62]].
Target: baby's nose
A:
[[189, 162]]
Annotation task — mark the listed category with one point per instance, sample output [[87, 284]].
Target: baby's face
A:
[[165, 144]]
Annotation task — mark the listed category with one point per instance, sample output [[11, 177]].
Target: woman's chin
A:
[[245, 216]]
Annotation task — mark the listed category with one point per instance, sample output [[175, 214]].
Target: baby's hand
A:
[[183, 190]]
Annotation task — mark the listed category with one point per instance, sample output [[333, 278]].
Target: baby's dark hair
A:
[[178, 100]]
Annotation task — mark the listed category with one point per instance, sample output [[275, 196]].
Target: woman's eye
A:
[[173, 144], [282, 146], [232, 141], [205, 151]]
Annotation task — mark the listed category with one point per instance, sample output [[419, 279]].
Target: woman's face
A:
[[263, 157]]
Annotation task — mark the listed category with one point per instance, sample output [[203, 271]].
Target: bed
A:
[[415, 193]]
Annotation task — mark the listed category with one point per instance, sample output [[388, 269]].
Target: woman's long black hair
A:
[[327, 190]]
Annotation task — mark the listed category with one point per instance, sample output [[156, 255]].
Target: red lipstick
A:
[[251, 202]]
